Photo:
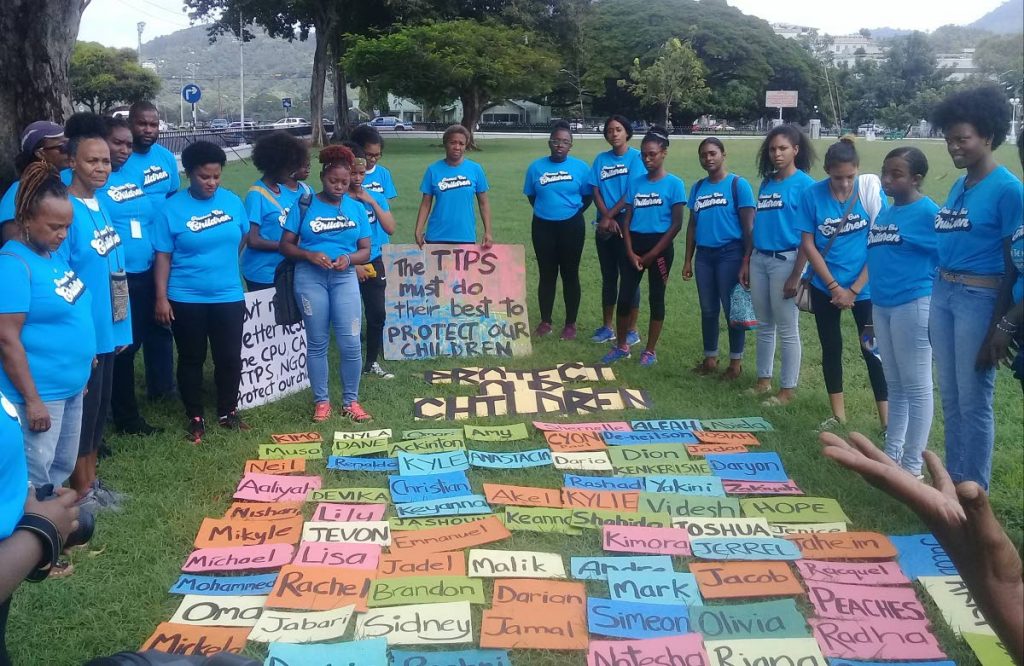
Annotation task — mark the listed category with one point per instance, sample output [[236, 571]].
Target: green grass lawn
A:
[[118, 593]]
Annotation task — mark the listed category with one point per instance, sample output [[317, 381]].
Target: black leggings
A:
[[827, 317], [657, 277], [257, 286], [559, 246], [220, 324], [610, 251], [372, 291]]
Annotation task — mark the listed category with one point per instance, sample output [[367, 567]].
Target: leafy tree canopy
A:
[[1003, 58], [675, 77], [103, 77]]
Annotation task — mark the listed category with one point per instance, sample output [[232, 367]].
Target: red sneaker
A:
[[322, 411], [355, 411]]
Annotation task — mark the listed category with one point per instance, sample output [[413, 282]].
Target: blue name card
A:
[[747, 466], [422, 487], [222, 586], [649, 437], [467, 505], [354, 464], [654, 587], [631, 619], [726, 549], [597, 568], [705, 486], [432, 463], [603, 482]]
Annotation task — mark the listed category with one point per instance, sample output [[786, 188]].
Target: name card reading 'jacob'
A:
[[455, 300], [419, 624], [733, 580]]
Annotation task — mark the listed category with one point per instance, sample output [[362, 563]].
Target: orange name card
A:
[[732, 580], [565, 442], [459, 537], [522, 495], [196, 640], [715, 437], [844, 546], [222, 532], [297, 438], [534, 626], [279, 466], [705, 449], [543, 592], [263, 511], [620, 500], [413, 563], [320, 588]]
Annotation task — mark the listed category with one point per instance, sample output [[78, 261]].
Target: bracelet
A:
[[48, 534], [1006, 326], [832, 285], [855, 292]]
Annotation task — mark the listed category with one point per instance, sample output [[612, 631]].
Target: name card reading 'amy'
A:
[[419, 624], [515, 564], [506, 433]]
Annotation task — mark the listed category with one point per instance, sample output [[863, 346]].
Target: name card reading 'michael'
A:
[[432, 463], [569, 441], [649, 437], [686, 650], [310, 451], [647, 540], [957, 605], [419, 624], [876, 639], [274, 488], [859, 602], [655, 587], [599, 568], [515, 564], [196, 640], [456, 657], [633, 619], [297, 438], [420, 487], [376, 532], [795, 509], [348, 555], [278, 466], [707, 486], [844, 546], [218, 611], [394, 591], [222, 532], [320, 588], [352, 495], [765, 466], [602, 482], [765, 619], [440, 539], [279, 626], [348, 513], [724, 548], [539, 519], [341, 435], [263, 511], [803, 651], [414, 563], [737, 580], [852, 573], [258, 585], [241, 558]]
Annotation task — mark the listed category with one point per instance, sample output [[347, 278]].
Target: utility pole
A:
[[141, 25], [241, 73]]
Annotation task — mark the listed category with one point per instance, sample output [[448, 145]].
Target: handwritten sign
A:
[[224, 585], [621, 500], [307, 451], [399, 524], [239, 559], [513, 460], [451, 506], [328, 654], [844, 546], [649, 437], [485, 563], [539, 519], [690, 505], [411, 563], [394, 591], [195, 640], [432, 432], [647, 540], [508, 433], [686, 649], [342, 435], [274, 488], [450, 657], [320, 588], [351, 495], [222, 532], [786, 529], [708, 486], [602, 482], [703, 450], [633, 619], [348, 513], [418, 624], [219, 611], [356, 464], [445, 300], [377, 532], [765, 466], [297, 438], [431, 444], [765, 619], [989, 650], [623, 456], [693, 467], [534, 626], [723, 527], [655, 587], [666, 424], [847, 602], [728, 549], [737, 580], [595, 519], [876, 639], [957, 605], [852, 573], [592, 461], [787, 487], [432, 463], [615, 426], [273, 357], [744, 424], [599, 568], [795, 509], [420, 487], [263, 510], [279, 466], [718, 437], [348, 555], [802, 651], [279, 626], [550, 593], [522, 495], [921, 555], [440, 539], [569, 441], [360, 447]]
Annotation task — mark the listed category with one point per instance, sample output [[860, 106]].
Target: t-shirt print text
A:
[[153, 174], [126, 192], [104, 240], [884, 235], [374, 187], [549, 177], [952, 220], [709, 201], [771, 201], [203, 222], [614, 171], [69, 287], [321, 225], [642, 200], [853, 223], [453, 183]]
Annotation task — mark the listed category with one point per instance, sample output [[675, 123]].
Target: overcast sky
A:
[[113, 22]]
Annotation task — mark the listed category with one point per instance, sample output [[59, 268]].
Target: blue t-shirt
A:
[[13, 469], [559, 187], [131, 212], [1017, 254], [156, 171], [378, 180], [7, 202], [652, 203], [778, 207], [378, 236], [819, 214], [202, 237], [94, 250], [903, 253], [973, 223], [333, 230], [269, 215], [454, 189], [58, 335], [611, 174], [718, 218]]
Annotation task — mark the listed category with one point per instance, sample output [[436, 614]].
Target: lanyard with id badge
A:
[[118, 278]]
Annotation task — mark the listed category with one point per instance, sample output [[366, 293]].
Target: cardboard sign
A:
[[729, 549], [613, 500], [277, 626], [876, 639], [802, 651], [433, 444], [320, 588], [599, 568], [852, 573], [766, 466], [723, 527], [562, 373], [361, 447], [514, 460], [342, 435], [222, 533], [411, 563], [738, 580], [690, 505], [395, 591], [720, 437], [420, 487], [921, 555], [795, 509], [989, 650], [765, 619], [553, 594], [258, 585], [602, 482], [263, 511], [297, 438], [583, 460], [650, 437], [687, 649], [655, 587], [666, 424], [654, 454], [194, 640], [957, 605], [432, 432], [567, 441], [278, 466], [786, 529], [376, 532], [633, 619], [273, 357], [432, 463], [691, 468], [441, 539], [708, 486], [451, 506], [614, 426], [595, 519], [348, 513], [400, 524], [355, 464], [539, 519], [347, 555], [328, 654], [509, 433], [242, 558], [844, 546], [419, 624], [645, 540], [704, 450], [219, 611], [306, 451], [514, 564], [275, 488], [534, 626], [349, 495], [787, 487], [744, 424], [449, 657], [849, 602]]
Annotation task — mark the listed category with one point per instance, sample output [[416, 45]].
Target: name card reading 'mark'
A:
[[257, 585], [394, 591], [348, 513], [371, 532], [347, 555], [876, 639], [765, 466], [413, 563], [419, 624], [539, 519], [309, 451], [320, 588], [738, 580], [351, 495], [242, 558], [687, 649], [514, 564], [599, 568], [765, 619], [655, 587], [645, 540], [860, 602], [803, 651], [275, 488], [795, 509], [280, 626], [218, 611], [632, 619], [440, 539], [852, 573], [196, 640], [275, 466]]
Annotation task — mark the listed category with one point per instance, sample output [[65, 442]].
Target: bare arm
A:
[[485, 214], [15, 364], [258, 242], [747, 225], [667, 237], [990, 355], [22, 552], [421, 218], [162, 311], [691, 246]]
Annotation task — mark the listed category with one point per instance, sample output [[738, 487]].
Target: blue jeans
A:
[[51, 455], [901, 333], [330, 299], [958, 323], [717, 272], [775, 313]]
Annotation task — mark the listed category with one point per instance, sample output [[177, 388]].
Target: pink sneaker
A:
[[322, 412], [355, 411], [569, 332]]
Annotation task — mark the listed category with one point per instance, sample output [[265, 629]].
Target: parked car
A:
[[870, 127], [218, 124], [247, 125], [388, 123], [286, 123]]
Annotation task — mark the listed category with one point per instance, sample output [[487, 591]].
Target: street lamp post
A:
[[1014, 106]]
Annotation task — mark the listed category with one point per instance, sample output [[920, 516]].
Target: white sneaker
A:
[[376, 369]]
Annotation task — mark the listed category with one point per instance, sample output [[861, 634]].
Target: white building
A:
[[961, 65], [511, 112], [849, 49]]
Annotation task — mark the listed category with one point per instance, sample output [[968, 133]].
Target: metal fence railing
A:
[[176, 140]]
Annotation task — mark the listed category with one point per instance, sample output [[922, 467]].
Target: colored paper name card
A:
[[723, 527], [278, 466], [219, 611], [802, 651], [602, 482], [766, 466], [633, 619], [876, 639], [341, 435], [351, 495], [745, 424], [956, 604], [451, 658], [720, 437], [320, 588], [242, 558], [400, 524], [263, 511], [707, 486], [348, 513], [680, 468], [434, 444], [393, 591], [739, 580], [432, 432], [596, 461], [671, 651], [420, 487], [613, 500], [690, 505], [377, 532], [485, 563], [599, 568], [534, 626], [786, 529], [513, 460], [645, 540], [703, 450], [569, 441], [852, 573], [440, 539], [844, 546], [224, 585], [412, 563], [355, 464], [649, 437], [280, 626], [539, 519], [452, 506], [347, 555], [275, 488], [616, 426], [418, 624], [795, 509], [856, 662], [522, 495], [595, 519], [330, 654], [655, 587], [727, 549], [297, 438], [989, 650], [765, 619], [921, 555], [195, 640], [666, 424], [548, 593], [787, 487], [222, 532], [508, 433], [860, 602], [310, 451], [360, 447], [432, 463], [624, 456]]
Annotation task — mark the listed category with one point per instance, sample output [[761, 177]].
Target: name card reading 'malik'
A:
[[514, 564], [455, 300]]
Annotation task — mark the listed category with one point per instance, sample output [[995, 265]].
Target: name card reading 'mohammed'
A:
[[320, 588], [803, 651], [241, 558], [655, 587], [599, 568], [219, 611], [393, 591], [515, 564], [274, 487], [852, 573], [196, 640], [419, 624], [738, 580], [686, 650], [369, 532], [876, 639], [257, 585], [795, 509], [645, 540], [281, 626]]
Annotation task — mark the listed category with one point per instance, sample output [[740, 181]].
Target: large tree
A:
[[39, 36], [478, 63], [1002, 58], [102, 77], [675, 77]]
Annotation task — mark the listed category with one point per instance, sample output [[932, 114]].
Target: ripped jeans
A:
[[330, 299]]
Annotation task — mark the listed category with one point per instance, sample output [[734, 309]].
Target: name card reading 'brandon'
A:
[[515, 564], [419, 624], [393, 591]]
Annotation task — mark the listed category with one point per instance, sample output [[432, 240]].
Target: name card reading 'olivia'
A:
[[765, 619]]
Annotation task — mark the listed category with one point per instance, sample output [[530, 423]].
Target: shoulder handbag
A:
[[286, 308], [803, 290]]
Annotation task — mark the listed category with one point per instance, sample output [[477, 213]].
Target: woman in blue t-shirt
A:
[[280, 157], [724, 205], [654, 216], [378, 178], [835, 216], [558, 188], [42, 141], [326, 243], [610, 176], [975, 227], [449, 188], [197, 238], [902, 256], [1009, 330]]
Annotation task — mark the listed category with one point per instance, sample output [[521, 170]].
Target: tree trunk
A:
[[472, 107], [316, 85], [668, 106], [340, 95], [34, 60]]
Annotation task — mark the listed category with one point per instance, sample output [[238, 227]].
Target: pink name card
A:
[[876, 639], [348, 555], [865, 602], [612, 426], [649, 540], [852, 573], [275, 488], [761, 487], [681, 649], [348, 513], [267, 556]]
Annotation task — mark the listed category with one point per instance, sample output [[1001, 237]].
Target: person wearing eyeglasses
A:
[[378, 177], [559, 190], [41, 141]]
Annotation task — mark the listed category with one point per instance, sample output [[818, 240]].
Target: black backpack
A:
[[286, 308]]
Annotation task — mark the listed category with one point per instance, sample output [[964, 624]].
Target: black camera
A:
[[86, 521], [154, 658]]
